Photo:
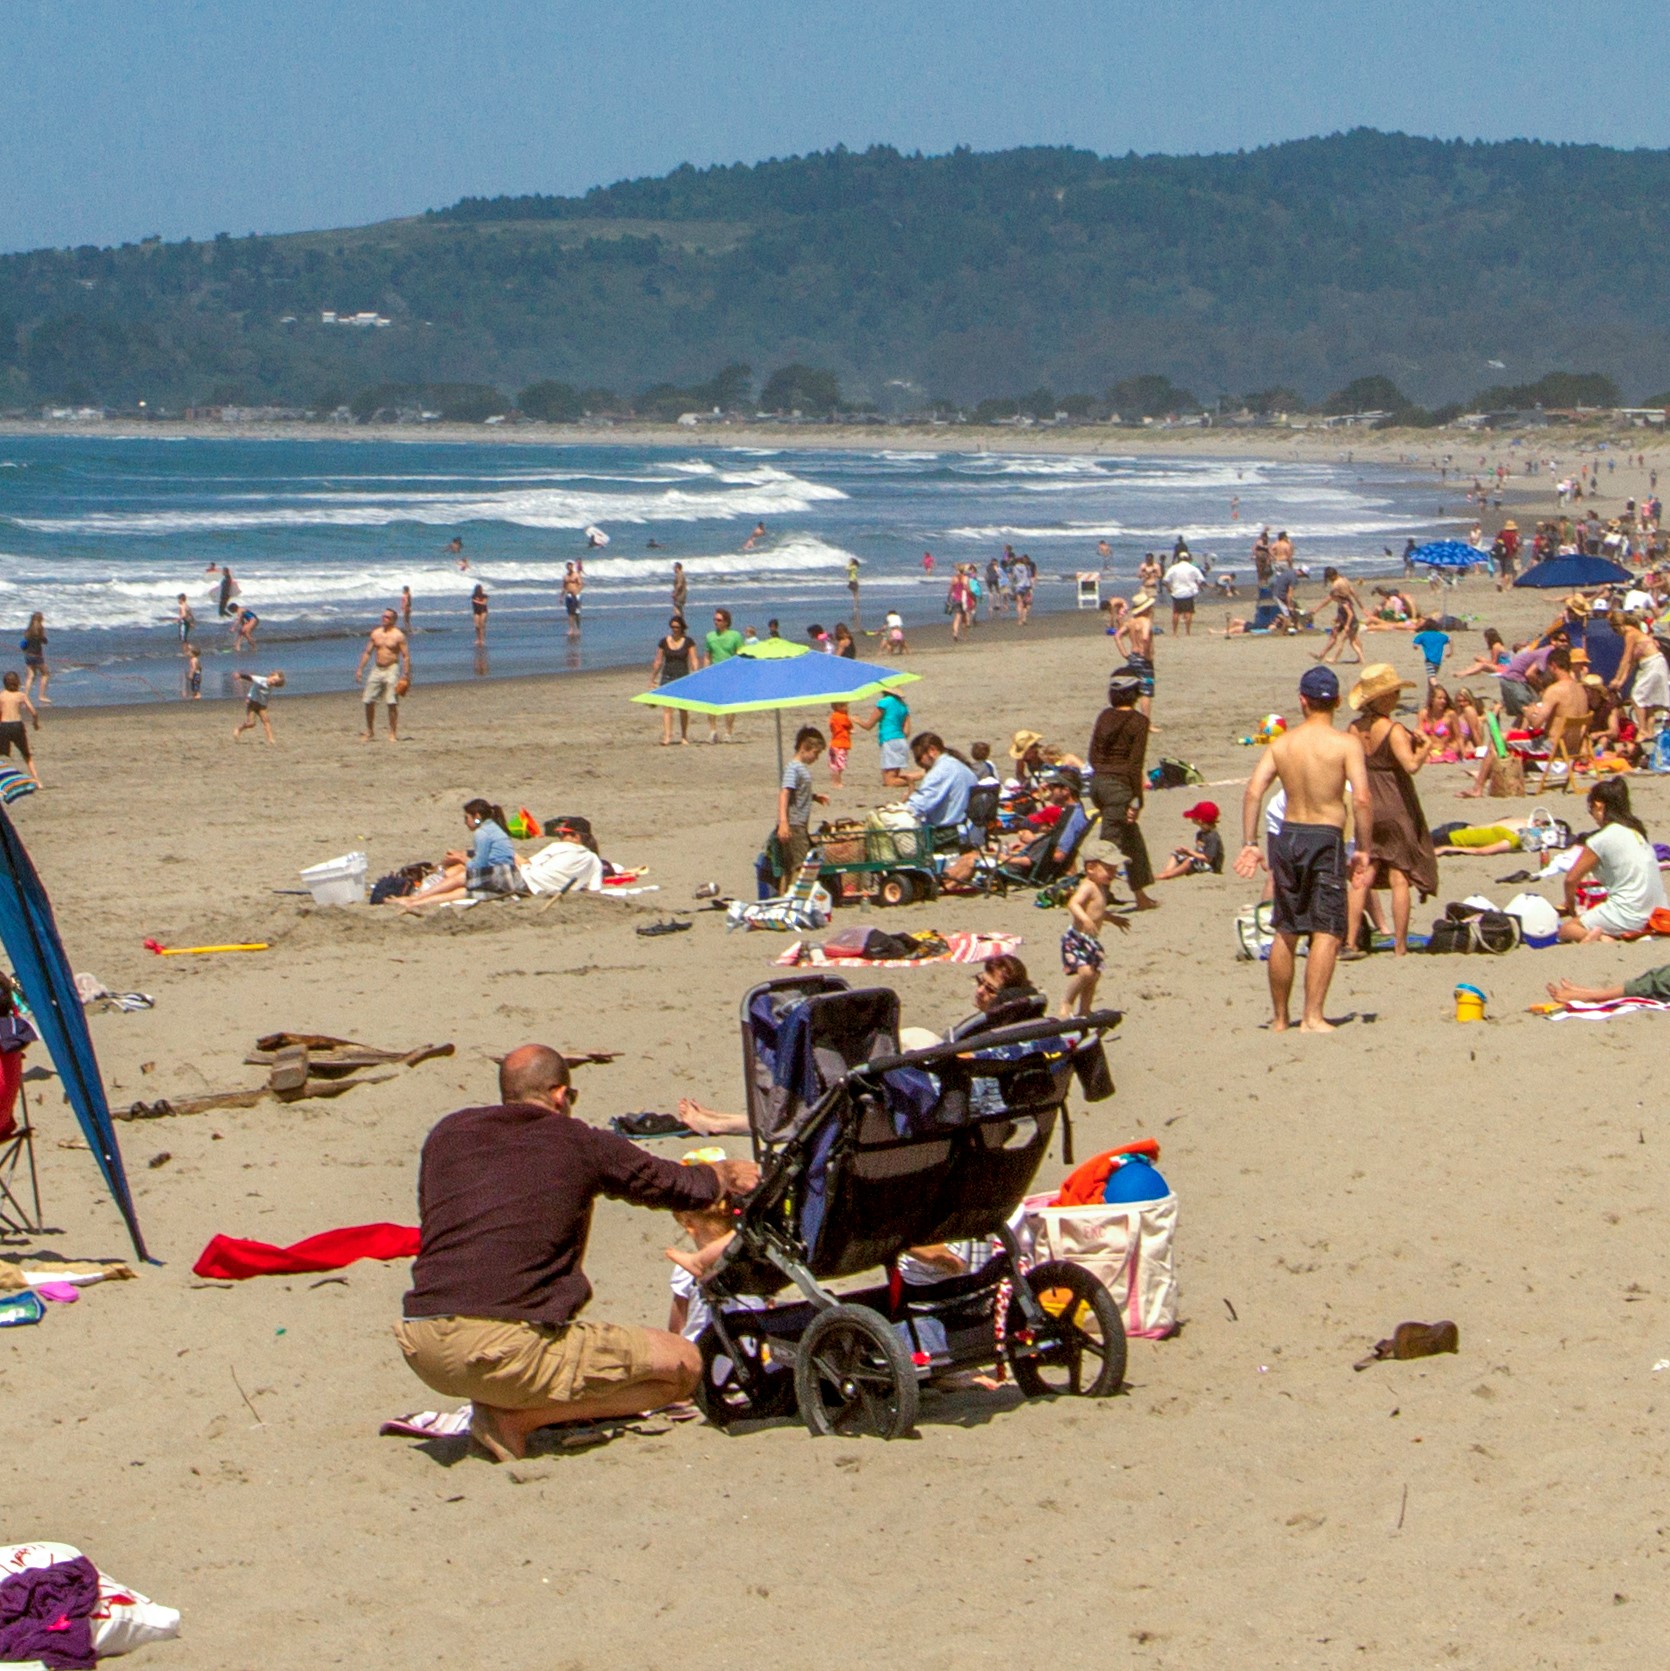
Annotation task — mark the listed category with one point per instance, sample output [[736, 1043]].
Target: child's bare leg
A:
[[267, 726], [1073, 1000]]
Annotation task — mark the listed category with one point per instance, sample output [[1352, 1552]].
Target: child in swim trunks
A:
[[13, 706], [1081, 946], [261, 687], [194, 673]]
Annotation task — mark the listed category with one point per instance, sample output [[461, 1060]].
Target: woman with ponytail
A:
[[488, 871], [1619, 856]]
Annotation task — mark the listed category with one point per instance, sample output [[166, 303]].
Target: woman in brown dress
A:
[[1400, 843]]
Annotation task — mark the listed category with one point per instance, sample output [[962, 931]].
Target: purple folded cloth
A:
[[46, 1614]]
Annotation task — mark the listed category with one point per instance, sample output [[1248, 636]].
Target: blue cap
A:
[[1319, 685]]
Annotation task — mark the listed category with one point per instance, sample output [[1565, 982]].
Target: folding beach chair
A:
[[1566, 746], [20, 1186]]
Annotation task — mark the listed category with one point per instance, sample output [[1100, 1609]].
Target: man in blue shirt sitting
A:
[[940, 801]]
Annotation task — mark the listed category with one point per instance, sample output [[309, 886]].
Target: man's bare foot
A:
[[365, 736], [1281, 1024], [1317, 1026], [1146, 902], [491, 1436]]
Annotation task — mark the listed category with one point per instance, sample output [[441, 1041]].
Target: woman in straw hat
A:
[[1400, 842]]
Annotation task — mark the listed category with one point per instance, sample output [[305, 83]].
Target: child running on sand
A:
[[260, 692], [194, 673], [13, 706], [1081, 946]]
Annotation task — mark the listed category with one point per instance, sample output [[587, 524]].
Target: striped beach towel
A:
[[1608, 1011], [14, 785], [965, 948]]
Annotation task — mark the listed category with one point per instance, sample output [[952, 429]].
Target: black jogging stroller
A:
[[866, 1152]]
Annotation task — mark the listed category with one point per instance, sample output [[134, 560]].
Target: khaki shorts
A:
[[383, 685], [522, 1366]]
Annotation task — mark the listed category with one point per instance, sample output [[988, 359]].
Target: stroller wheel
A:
[[730, 1394], [852, 1375], [1081, 1351]]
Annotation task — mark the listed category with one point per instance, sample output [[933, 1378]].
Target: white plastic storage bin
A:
[[337, 881]]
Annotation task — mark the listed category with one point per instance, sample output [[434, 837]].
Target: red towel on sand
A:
[[232, 1259]]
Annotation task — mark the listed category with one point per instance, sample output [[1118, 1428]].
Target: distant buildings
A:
[[365, 320]]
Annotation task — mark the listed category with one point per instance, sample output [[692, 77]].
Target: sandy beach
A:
[[1251, 1497]]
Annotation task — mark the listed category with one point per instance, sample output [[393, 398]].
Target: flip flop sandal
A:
[[1414, 1340], [650, 1125], [664, 928]]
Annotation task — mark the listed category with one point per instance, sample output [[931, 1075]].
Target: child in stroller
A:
[[869, 1152]]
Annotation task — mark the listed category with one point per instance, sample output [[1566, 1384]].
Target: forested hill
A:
[[909, 278]]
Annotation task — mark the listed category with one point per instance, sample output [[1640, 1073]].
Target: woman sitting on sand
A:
[[1472, 734], [1619, 856], [1036, 759], [1491, 659], [1439, 723], [488, 871]]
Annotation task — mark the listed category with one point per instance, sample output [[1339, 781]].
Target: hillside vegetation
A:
[[906, 280]]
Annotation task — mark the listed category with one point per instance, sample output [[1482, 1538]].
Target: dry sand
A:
[[1251, 1500]]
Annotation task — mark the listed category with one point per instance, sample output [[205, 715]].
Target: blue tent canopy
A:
[[745, 684], [1573, 574], [30, 935], [1450, 554]]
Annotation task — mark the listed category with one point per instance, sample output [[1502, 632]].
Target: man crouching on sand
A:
[[505, 1194], [1307, 859]]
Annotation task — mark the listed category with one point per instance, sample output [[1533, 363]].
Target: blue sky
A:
[[188, 117]]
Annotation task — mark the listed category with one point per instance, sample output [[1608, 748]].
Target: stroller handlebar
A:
[[1025, 1032]]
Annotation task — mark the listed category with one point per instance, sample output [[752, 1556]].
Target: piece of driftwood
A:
[[163, 1107], [327, 1055]]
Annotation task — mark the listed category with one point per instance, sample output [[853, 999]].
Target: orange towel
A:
[[1087, 1187]]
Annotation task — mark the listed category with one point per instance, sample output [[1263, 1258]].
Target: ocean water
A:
[[102, 533]]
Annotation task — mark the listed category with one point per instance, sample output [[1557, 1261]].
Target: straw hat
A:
[[1510, 523], [1024, 740], [1594, 681], [1141, 603], [1377, 680], [1577, 605]]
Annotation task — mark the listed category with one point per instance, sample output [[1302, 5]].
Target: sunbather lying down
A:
[[1501, 835], [562, 867], [1655, 983]]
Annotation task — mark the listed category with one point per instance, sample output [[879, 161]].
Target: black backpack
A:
[[1464, 928]]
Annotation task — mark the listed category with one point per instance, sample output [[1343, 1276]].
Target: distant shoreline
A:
[[1380, 446]]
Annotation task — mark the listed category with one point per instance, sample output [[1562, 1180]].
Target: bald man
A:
[[505, 1194]]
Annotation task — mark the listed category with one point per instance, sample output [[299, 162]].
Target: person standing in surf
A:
[[573, 584]]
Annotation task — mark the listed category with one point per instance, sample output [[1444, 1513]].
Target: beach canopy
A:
[[758, 680], [1450, 554], [773, 649], [30, 936], [755, 683], [1572, 574]]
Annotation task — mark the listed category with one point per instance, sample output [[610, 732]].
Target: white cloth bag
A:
[[1128, 1245]]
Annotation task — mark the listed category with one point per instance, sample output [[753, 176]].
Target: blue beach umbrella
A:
[[747, 684], [30, 935], [1573, 574], [1450, 554]]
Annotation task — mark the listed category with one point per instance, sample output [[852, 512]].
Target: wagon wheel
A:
[[895, 889], [1081, 1349], [853, 1376]]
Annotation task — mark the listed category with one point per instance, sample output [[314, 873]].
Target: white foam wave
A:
[[762, 494], [80, 593]]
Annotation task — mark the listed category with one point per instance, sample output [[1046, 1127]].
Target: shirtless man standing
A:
[[393, 665], [1136, 638], [1315, 763]]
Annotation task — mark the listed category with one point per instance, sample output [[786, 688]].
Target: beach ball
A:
[[1271, 727]]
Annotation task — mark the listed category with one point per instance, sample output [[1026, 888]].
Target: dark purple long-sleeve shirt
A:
[[505, 1196]]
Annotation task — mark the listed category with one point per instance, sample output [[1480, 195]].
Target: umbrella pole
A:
[[779, 718]]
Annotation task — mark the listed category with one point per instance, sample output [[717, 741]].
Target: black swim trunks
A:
[[13, 732], [1307, 865], [1143, 668]]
